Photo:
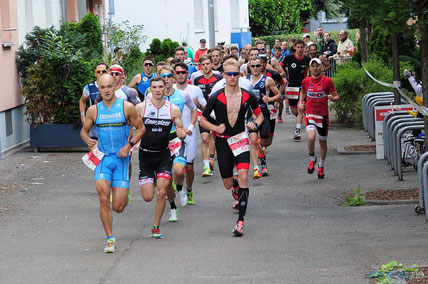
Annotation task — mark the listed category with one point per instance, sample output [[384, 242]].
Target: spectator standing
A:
[[201, 51], [190, 53], [319, 39], [307, 39], [345, 47], [329, 48], [291, 43]]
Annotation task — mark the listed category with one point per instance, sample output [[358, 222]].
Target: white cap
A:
[[306, 35], [315, 60]]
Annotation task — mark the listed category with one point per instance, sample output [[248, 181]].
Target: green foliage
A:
[[356, 200], [267, 16], [54, 77], [125, 36], [162, 50], [270, 39], [384, 275], [352, 83], [133, 62]]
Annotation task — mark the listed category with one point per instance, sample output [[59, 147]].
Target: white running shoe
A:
[[183, 198], [111, 246], [173, 215]]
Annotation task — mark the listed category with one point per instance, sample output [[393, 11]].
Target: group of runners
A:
[[236, 102]]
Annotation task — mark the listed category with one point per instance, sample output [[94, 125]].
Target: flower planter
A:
[[55, 136]]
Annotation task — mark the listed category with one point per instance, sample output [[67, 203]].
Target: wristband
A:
[[190, 127], [131, 143], [82, 113]]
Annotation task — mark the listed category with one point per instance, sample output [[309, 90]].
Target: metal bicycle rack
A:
[[387, 121], [371, 115], [364, 104], [422, 186], [399, 168], [389, 135]]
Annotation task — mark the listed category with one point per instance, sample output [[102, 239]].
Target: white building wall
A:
[[30, 13], [175, 19]]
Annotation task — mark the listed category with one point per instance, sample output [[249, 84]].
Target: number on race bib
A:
[[174, 146], [93, 158], [292, 93], [239, 143]]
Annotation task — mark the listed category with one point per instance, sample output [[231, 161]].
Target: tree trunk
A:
[[364, 49], [395, 66], [424, 76]]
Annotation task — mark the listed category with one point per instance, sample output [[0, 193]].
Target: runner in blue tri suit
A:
[[113, 118], [142, 80], [91, 92]]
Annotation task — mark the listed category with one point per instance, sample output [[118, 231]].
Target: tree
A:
[[267, 16], [125, 36]]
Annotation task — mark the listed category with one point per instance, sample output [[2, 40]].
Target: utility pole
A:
[[111, 13], [211, 26]]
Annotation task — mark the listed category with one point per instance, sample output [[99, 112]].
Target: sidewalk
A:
[[295, 232]]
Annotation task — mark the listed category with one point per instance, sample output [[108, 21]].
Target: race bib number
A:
[[239, 143], [199, 114], [174, 146], [93, 158], [292, 93], [314, 119], [273, 111]]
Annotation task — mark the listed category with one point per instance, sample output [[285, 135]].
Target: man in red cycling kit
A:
[[317, 90], [230, 105]]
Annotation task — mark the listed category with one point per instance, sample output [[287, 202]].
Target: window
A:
[[8, 122], [199, 15], [234, 13]]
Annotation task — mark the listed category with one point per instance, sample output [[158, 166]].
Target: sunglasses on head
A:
[[115, 73], [169, 75], [148, 64], [256, 66], [180, 72], [102, 71], [232, 74]]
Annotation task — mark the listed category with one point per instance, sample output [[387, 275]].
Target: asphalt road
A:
[[295, 232]]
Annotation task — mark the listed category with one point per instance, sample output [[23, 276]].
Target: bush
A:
[[352, 83], [162, 50], [270, 39], [133, 62]]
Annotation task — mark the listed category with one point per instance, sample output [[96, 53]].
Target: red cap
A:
[[116, 68]]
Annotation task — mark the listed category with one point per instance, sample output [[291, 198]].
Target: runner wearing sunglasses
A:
[[142, 81], [91, 92], [267, 95], [230, 105], [189, 122]]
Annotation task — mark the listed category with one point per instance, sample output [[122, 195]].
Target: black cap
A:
[[203, 41], [262, 56]]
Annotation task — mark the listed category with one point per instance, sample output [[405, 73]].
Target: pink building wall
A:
[[10, 95]]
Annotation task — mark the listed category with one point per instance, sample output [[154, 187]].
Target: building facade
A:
[[17, 18], [183, 20]]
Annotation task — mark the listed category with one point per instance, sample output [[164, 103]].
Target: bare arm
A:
[[303, 93], [134, 120], [135, 81], [272, 87], [82, 107], [334, 97], [277, 67], [325, 62], [91, 116]]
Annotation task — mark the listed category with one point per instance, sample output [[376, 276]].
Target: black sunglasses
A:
[[255, 66], [148, 64], [232, 73]]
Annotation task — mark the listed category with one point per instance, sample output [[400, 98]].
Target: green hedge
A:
[[352, 83], [270, 39]]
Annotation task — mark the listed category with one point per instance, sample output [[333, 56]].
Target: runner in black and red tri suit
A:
[[316, 91], [206, 82], [267, 96], [230, 105], [296, 65]]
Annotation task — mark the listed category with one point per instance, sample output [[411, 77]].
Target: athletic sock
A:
[[321, 164], [243, 200], [312, 157], [298, 126], [111, 238], [179, 187], [256, 167], [206, 163], [189, 189], [172, 203], [235, 183]]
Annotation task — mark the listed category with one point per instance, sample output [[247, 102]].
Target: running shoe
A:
[[311, 166], [212, 164], [265, 171], [235, 205], [207, 172], [257, 174], [111, 246], [320, 172], [280, 119], [156, 234], [287, 111], [173, 215], [297, 136], [239, 229], [190, 200], [183, 198]]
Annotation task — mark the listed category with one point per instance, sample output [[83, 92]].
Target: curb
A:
[[391, 202], [341, 150]]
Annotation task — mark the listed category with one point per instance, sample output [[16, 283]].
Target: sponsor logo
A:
[[293, 65], [152, 113], [145, 79], [111, 116], [157, 122]]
